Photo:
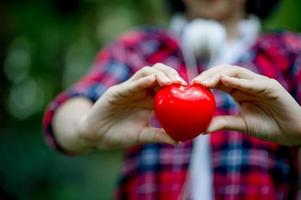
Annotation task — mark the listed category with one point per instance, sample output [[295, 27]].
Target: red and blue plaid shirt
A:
[[244, 168]]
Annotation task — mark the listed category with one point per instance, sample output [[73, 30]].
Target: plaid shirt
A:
[[243, 167]]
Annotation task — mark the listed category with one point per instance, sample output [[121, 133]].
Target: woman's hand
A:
[[267, 110], [120, 118]]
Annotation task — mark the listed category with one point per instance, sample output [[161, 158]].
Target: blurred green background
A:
[[44, 47]]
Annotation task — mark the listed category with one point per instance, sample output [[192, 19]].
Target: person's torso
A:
[[243, 167]]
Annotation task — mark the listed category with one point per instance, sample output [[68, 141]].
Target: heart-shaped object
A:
[[184, 111]]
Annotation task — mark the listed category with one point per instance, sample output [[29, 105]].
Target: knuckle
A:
[[145, 69], [229, 66], [223, 66], [159, 65], [165, 68], [235, 67], [112, 90], [235, 71], [274, 84], [271, 88], [217, 66]]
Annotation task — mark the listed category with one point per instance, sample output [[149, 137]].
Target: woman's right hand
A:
[[121, 116], [267, 110]]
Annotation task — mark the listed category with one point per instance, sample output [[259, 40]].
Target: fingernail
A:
[[184, 83], [181, 80]]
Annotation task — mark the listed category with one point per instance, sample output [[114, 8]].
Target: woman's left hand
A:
[[267, 110]]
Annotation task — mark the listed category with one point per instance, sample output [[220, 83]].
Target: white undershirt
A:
[[200, 182]]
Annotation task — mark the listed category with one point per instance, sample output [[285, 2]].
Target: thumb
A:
[[154, 135], [227, 122]]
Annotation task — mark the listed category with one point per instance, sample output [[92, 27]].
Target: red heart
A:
[[184, 111]]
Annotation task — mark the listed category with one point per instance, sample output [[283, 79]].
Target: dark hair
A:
[[260, 8]]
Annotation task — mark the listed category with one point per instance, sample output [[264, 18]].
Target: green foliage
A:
[[286, 17], [48, 46]]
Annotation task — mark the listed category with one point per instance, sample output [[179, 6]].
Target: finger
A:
[[227, 122], [213, 78], [162, 79], [142, 84], [171, 73], [245, 85], [129, 88], [209, 73], [154, 135]]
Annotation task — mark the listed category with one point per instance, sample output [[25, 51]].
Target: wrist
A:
[[84, 140]]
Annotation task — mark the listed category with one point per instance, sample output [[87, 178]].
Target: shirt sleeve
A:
[[293, 41], [297, 72], [110, 68]]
